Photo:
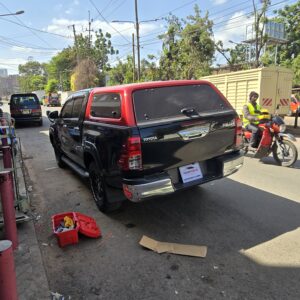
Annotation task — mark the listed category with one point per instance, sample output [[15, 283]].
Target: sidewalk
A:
[[32, 283], [31, 277]]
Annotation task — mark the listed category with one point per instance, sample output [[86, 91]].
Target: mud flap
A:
[[264, 145]]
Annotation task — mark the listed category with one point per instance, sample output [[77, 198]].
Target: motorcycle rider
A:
[[251, 111]]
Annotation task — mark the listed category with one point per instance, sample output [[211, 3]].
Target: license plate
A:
[[190, 172], [26, 111]]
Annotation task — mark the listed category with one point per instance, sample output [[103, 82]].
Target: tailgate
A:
[[180, 125], [168, 146]]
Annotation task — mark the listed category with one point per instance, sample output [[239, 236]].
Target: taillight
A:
[[238, 132], [131, 154]]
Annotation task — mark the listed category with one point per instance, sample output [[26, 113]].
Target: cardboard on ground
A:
[[181, 249]]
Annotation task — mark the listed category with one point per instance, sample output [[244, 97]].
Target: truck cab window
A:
[[67, 109], [106, 106], [77, 107]]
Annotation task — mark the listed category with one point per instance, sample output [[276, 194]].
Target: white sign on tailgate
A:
[[190, 172]]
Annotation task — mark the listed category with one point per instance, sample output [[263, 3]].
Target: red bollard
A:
[[8, 207], [7, 162], [8, 283]]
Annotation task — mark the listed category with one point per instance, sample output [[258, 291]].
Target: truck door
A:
[[74, 130], [63, 125], [284, 88]]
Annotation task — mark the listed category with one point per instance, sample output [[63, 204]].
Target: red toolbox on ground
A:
[[82, 223]]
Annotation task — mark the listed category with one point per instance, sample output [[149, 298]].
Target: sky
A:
[[45, 28]]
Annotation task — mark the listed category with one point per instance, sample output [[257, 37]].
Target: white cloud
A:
[[76, 2], [219, 2], [68, 11], [117, 30], [234, 29], [11, 64]]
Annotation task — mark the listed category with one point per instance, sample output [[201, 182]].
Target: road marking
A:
[[48, 169]]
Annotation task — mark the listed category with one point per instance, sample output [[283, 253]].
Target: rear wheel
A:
[[285, 154], [58, 156], [101, 190]]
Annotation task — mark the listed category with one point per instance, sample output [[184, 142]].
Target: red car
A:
[[294, 105]]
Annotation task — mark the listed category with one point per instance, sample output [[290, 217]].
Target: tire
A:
[[40, 123], [98, 187], [58, 156], [100, 190], [286, 155]]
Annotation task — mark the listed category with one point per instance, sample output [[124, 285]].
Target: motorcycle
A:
[[273, 139]]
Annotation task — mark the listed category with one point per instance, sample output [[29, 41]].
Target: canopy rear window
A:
[[24, 100], [168, 102]]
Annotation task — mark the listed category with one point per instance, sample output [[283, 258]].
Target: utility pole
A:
[[133, 58], [89, 30], [75, 41], [137, 40]]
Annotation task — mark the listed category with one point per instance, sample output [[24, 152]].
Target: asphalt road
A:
[[249, 222]]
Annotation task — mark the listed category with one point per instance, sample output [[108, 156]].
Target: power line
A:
[[217, 24], [116, 30], [36, 29], [115, 9], [20, 44], [26, 26]]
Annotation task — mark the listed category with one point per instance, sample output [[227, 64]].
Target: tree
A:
[[169, 63], [237, 57], [52, 86], [290, 17], [86, 75], [32, 76], [98, 52], [149, 69], [197, 45], [260, 38], [122, 72], [188, 47], [61, 67]]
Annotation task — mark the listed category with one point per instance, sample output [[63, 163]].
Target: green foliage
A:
[[52, 86], [122, 72], [32, 76], [290, 17], [188, 47], [296, 69], [61, 67]]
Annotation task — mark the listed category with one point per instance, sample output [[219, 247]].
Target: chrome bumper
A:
[[137, 193], [163, 186]]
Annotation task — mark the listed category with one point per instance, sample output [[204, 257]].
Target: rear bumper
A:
[[137, 190], [27, 119]]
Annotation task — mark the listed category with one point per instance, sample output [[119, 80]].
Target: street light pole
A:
[[137, 41], [13, 14]]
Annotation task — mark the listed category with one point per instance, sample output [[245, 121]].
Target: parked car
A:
[[53, 101], [147, 139], [26, 108], [294, 105]]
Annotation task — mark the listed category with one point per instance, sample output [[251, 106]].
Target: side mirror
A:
[[52, 115]]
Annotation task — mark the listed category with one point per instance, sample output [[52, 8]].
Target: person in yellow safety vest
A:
[[251, 112]]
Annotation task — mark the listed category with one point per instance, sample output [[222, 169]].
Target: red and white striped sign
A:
[[284, 102], [267, 102]]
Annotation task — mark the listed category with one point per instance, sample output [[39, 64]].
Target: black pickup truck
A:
[[147, 139]]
